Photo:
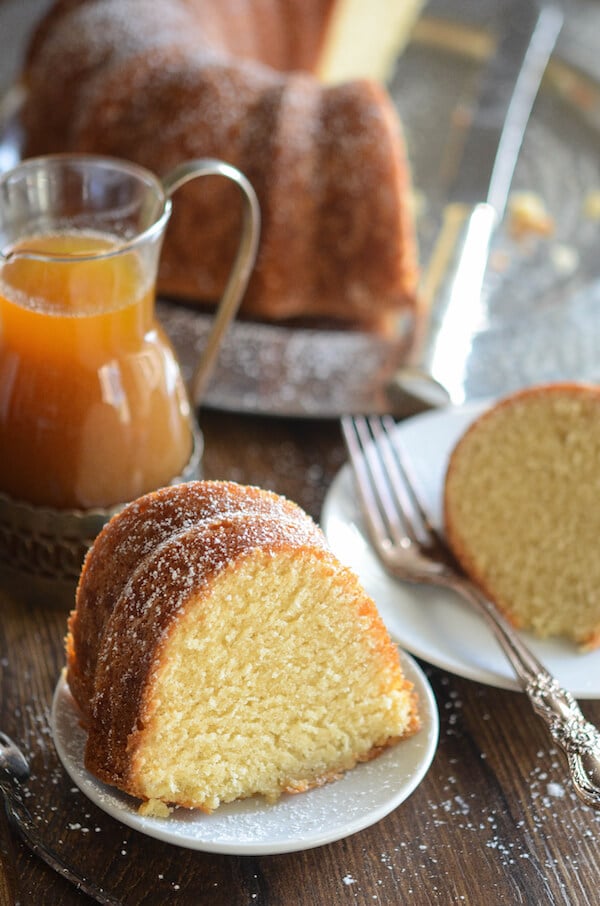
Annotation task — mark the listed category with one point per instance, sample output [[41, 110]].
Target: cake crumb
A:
[[154, 808], [565, 259], [591, 205], [528, 215]]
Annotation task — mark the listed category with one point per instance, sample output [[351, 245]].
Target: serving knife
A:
[[324, 373], [452, 298], [298, 372]]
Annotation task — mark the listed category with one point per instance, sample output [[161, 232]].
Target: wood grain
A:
[[494, 821]]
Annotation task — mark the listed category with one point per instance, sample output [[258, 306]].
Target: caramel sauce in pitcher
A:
[[93, 410]]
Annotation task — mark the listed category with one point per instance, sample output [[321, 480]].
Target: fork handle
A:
[[578, 739], [21, 821], [8, 873]]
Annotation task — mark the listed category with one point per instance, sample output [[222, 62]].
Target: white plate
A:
[[434, 624], [253, 827]]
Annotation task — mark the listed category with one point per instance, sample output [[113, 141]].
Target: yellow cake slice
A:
[[521, 509], [218, 650]]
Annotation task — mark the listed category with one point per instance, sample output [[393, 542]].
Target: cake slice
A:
[[364, 40], [521, 509], [233, 655], [170, 81]]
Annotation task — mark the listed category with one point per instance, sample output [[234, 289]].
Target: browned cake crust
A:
[[173, 80], [131, 539]]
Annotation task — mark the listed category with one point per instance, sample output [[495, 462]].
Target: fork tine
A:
[[379, 490], [411, 487], [386, 483], [354, 431], [406, 484], [403, 503]]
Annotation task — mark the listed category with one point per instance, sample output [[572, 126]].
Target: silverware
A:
[[14, 769], [8, 870], [411, 550], [454, 306]]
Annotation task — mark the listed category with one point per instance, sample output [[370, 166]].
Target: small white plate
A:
[[432, 623], [253, 827]]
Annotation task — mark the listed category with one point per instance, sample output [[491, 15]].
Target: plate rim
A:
[[452, 664], [64, 712]]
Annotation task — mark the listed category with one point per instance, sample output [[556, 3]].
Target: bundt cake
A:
[[521, 511], [162, 81], [218, 650]]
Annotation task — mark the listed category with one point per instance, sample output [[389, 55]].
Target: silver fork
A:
[[14, 769], [412, 550]]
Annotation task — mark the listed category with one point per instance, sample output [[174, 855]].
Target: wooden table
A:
[[493, 822]]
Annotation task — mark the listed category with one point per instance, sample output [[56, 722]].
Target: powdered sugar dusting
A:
[[148, 549], [335, 810]]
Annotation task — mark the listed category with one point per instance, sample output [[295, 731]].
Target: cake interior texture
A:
[[288, 699], [521, 509], [363, 40]]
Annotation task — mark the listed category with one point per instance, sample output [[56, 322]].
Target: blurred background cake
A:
[[162, 81]]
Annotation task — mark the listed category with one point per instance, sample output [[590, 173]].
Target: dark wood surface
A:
[[493, 822]]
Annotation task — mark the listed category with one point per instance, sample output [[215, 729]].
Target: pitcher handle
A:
[[242, 266]]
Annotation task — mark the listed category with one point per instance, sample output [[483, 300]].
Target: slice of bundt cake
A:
[[218, 650], [172, 80], [521, 509]]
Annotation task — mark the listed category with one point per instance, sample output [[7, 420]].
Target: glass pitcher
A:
[[93, 408]]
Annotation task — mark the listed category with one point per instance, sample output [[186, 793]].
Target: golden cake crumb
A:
[[528, 216], [520, 509]]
